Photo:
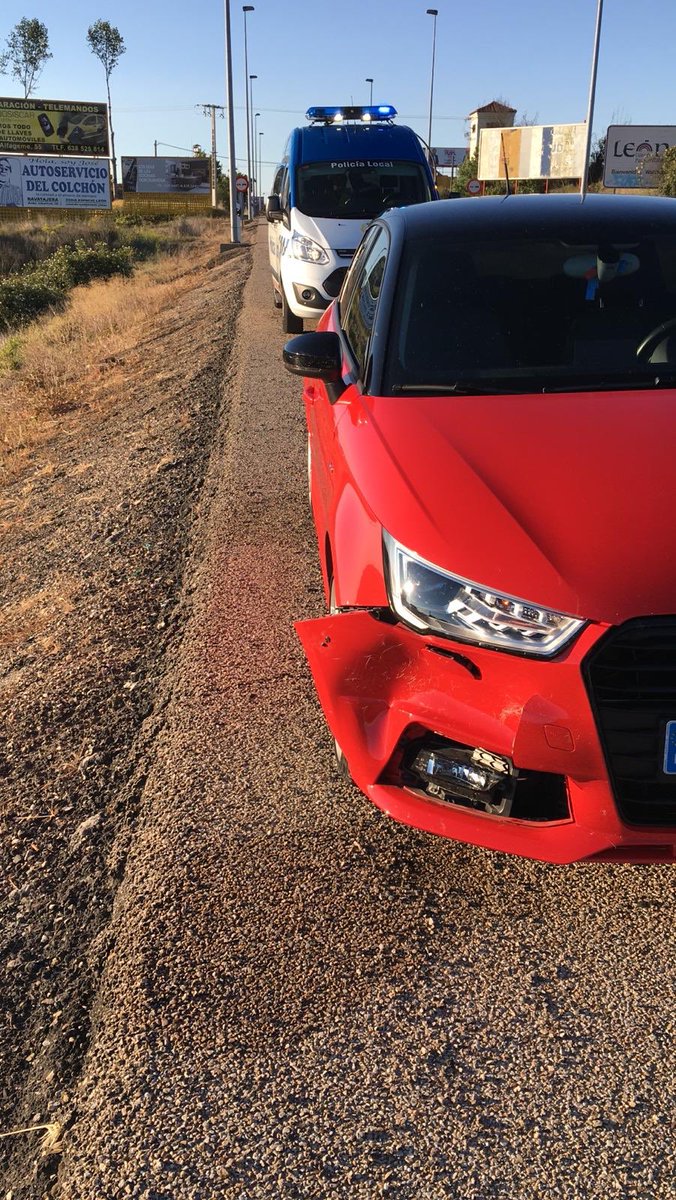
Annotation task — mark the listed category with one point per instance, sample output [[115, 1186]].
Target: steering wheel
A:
[[653, 339]]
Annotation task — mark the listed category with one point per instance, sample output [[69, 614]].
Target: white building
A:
[[492, 116]]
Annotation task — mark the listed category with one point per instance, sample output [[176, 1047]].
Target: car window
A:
[[533, 314], [358, 314], [284, 192], [359, 189], [355, 270], [277, 182]]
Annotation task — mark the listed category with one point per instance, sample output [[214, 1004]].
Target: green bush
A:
[[23, 297], [26, 294]]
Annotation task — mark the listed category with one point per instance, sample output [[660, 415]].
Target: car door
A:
[[322, 414], [274, 249], [356, 316]]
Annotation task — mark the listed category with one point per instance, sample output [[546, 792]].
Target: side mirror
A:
[[316, 356], [273, 208]]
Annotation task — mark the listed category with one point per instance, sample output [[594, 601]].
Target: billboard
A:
[[449, 156], [633, 154], [533, 152], [31, 182], [53, 127], [166, 176]]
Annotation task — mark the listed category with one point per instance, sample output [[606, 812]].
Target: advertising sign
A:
[[28, 182], [633, 154], [533, 152], [162, 176], [53, 127], [449, 156]]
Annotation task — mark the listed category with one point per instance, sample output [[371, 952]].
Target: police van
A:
[[338, 173]]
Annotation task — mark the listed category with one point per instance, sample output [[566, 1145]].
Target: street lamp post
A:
[[255, 154], [432, 12], [368, 80], [247, 8], [260, 158], [234, 227], [250, 125], [592, 96]]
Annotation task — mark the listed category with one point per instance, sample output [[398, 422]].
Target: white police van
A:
[[337, 174]]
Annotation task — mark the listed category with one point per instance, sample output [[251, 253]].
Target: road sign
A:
[[633, 154], [241, 183], [473, 187]]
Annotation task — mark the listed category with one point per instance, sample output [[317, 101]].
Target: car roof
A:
[[567, 217], [325, 143]]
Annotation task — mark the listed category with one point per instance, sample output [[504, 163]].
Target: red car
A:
[[491, 406]]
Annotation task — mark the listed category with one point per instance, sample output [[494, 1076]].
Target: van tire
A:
[[290, 322]]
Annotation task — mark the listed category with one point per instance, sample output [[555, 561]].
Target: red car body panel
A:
[[584, 529], [379, 683]]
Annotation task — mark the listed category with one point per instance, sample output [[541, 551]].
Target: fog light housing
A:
[[466, 775]]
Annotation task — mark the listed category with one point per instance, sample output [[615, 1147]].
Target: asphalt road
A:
[[304, 999]]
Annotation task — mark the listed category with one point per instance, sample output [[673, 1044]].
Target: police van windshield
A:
[[359, 189]]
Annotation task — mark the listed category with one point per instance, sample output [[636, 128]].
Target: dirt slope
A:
[[95, 534]]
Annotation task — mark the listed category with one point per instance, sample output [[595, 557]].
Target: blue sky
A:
[[535, 54]]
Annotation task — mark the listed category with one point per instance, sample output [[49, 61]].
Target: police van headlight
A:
[[308, 251]]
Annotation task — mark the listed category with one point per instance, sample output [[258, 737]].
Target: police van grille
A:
[[631, 680]]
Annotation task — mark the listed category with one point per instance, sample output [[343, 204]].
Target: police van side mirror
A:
[[273, 208]]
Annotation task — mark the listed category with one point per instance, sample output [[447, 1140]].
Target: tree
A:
[[26, 53], [668, 172], [107, 43], [596, 160]]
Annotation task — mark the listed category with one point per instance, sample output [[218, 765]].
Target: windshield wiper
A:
[[453, 389], [614, 383]]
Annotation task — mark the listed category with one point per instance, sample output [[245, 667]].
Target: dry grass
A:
[[33, 615], [56, 365]]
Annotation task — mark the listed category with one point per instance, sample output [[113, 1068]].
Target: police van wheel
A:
[[290, 322]]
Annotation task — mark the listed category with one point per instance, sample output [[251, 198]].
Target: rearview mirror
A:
[[273, 208], [316, 356]]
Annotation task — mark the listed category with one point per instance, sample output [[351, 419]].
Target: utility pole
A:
[[232, 170], [155, 147], [247, 8], [592, 97], [211, 109]]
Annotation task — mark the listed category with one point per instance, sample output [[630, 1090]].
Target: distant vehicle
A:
[[491, 409], [337, 174]]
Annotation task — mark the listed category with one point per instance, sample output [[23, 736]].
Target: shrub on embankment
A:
[[38, 267], [26, 294]]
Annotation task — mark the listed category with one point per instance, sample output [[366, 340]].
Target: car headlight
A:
[[432, 600], [309, 251]]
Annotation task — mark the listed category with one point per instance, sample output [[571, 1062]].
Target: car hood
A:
[[334, 233], [567, 501]]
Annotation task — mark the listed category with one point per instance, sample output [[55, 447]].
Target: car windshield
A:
[[359, 190], [523, 315]]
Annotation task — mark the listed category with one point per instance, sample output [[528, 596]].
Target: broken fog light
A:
[[474, 777]]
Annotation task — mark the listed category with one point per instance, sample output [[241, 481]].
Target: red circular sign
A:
[[473, 187], [241, 183]]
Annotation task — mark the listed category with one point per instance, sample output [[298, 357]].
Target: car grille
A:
[[631, 679]]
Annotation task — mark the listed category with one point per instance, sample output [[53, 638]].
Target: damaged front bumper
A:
[[396, 700]]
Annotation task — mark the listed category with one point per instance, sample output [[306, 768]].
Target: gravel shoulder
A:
[[95, 541]]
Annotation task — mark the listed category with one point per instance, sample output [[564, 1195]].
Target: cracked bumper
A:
[[381, 684]]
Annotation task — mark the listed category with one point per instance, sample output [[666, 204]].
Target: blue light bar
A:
[[335, 113]]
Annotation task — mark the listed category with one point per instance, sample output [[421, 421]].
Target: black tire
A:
[[290, 322], [276, 298]]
